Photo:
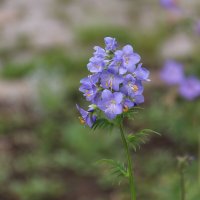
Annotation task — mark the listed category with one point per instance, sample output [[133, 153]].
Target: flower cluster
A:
[[169, 4], [172, 73], [115, 83]]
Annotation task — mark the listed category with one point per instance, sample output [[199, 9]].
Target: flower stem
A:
[[182, 184], [199, 159], [130, 167]]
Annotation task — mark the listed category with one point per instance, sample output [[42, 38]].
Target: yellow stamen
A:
[[126, 60], [82, 121], [111, 83], [87, 94], [113, 102], [125, 108], [135, 88]]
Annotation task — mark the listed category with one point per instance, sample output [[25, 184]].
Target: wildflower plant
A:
[[172, 73], [114, 89]]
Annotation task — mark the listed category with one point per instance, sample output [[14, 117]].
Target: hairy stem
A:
[[130, 167]]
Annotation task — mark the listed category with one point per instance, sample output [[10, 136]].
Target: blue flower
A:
[[116, 81], [111, 103], [88, 86], [96, 64], [111, 43], [99, 52], [116, 66], [190, 88], [132, 87], [110, 80], [141, 73], [89, 91], [87, 117], [172, 72], [130, 58]]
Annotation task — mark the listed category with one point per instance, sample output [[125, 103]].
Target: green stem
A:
[[199, 159], [182, 183], [130, 167]]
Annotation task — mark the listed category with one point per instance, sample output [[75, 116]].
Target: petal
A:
[[131, 66], [128, 103], [90, 119], [110, 115], [111, 43], [142, 73], [106, 94], [139, 99], [118, 109], [118, 54], [83, 112], [118, 96], [94, 78], [136, 58], [122, 70], [140, 87], [129, 77], [128, 49], [172, 72], [124, 90], [85, 80], [116, 81]]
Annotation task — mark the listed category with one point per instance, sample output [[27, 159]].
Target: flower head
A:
[[172, 72], [115, 83], [190, 88]]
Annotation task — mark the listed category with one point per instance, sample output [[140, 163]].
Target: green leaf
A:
[[103, 123], [137, 139], [116, 168]]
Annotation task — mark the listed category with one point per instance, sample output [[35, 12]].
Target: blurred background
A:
[[45, 46]]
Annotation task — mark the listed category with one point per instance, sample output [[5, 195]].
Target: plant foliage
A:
[[135, 140], [103, 123], [116, 168]]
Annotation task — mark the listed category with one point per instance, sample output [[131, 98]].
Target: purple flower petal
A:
[[118, 96], [172, 72], [106, 94], [141, 73], [111, 43], [190, 88]]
